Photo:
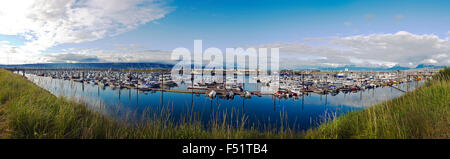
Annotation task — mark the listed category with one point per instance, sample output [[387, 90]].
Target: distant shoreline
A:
[[151, 66]]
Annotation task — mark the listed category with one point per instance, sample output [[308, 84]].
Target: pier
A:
[[397, 89]]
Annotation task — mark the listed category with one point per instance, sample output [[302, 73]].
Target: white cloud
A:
[[375, 50], [401, 47], [46, 23], [295, 54], [430, 61], [441, 56], [72, 58], [387, 50], [133, 53], [10, 54]]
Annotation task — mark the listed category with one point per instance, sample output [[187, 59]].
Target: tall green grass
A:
[[31, 112], [420, 114]]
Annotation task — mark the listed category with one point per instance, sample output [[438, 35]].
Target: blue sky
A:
[[235, 23]]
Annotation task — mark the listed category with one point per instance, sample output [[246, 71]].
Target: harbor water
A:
[[301, 113]]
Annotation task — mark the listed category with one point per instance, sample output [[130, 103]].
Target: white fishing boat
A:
[[197, 86], [247, 94], [211, 94], [296, 91]]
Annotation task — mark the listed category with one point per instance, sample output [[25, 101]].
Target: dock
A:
[[398, 89]]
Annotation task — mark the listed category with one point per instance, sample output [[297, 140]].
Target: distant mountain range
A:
[[169, 66], [429, 66]]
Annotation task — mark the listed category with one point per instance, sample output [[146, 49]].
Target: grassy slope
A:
[[4, 133], [28, 111], [423, 113]]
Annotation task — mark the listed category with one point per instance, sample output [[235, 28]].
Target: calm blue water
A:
[[302, 113]]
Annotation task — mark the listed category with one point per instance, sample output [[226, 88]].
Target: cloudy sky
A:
[[309, 33]]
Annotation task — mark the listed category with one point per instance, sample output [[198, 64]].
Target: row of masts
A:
[[282, 85]]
